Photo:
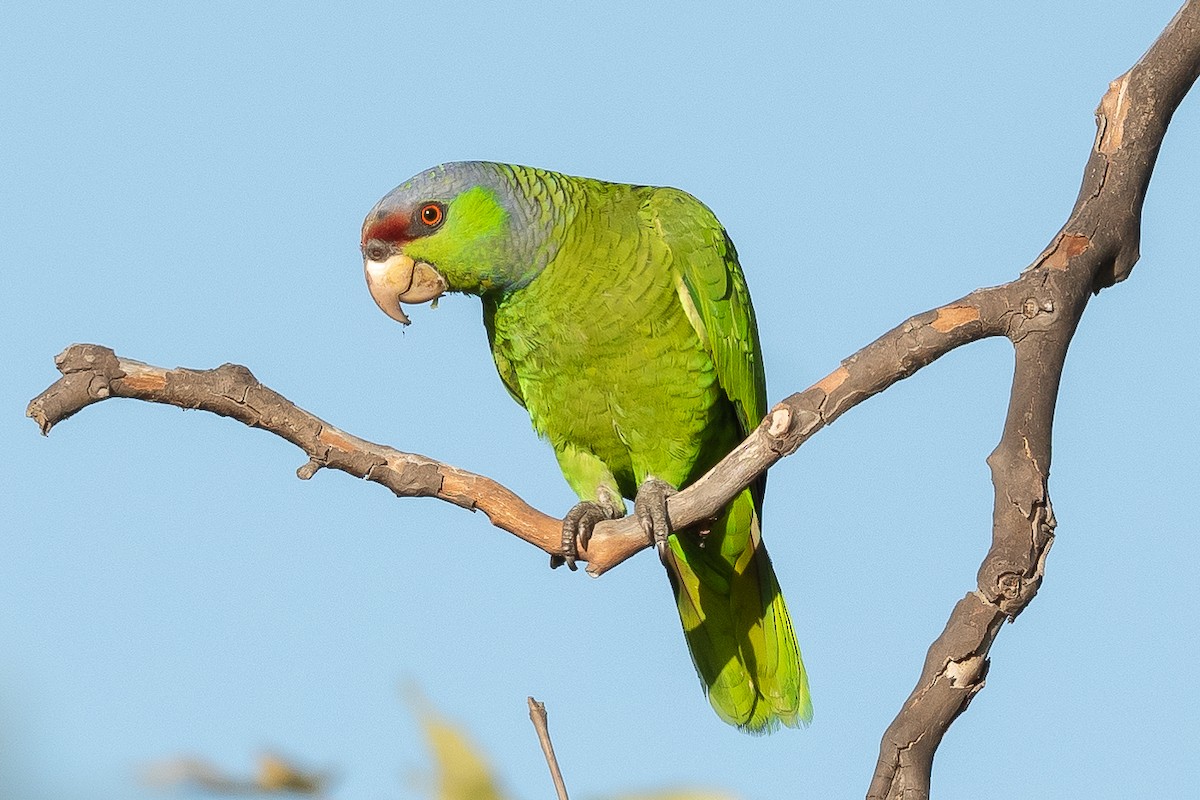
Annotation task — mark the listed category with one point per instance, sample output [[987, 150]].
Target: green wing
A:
[[706, 263], [734, 617]]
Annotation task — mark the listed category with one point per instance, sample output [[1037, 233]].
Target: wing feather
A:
[[716, 300]]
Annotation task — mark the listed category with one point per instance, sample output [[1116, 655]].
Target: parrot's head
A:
[[468, 226]]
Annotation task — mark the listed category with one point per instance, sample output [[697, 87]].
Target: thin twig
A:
[[537, 714]]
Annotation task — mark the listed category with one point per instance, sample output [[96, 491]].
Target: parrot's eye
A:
[[376, 250], [432, 214]]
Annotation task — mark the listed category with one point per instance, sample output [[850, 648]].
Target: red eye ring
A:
[[432, 214]]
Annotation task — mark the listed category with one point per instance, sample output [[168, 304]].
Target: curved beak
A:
[[398, 280]]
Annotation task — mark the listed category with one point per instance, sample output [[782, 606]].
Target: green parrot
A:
[[619, 318]]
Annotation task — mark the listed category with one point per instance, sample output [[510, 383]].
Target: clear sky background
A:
[[185, 183]]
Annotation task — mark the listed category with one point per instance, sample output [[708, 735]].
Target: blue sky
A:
[[185, 183]]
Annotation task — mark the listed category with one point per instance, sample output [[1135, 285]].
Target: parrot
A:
[[619, 318]]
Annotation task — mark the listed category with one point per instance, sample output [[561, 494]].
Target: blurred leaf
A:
[[461, 772], [275, 775]]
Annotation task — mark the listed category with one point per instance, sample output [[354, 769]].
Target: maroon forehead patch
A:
[[392, 227]]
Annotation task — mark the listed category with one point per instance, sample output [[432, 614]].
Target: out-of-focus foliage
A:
[[460, 771], [275, 775]]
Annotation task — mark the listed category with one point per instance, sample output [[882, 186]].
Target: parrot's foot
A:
[[579, 522], [650, 507]]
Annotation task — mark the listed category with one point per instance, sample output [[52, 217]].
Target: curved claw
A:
[[579, 523], [650, 507]]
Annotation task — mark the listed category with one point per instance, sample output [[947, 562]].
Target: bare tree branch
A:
[[537, 715], [91, 373], [1097, 247], [1038, 312]]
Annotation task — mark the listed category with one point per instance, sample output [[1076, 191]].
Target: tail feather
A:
[[737, 625]]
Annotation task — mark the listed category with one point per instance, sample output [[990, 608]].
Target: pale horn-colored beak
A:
[[398, 280]]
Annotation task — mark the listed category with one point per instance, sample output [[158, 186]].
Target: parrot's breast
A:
[[608, 362]]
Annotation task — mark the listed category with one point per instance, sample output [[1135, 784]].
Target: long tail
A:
[[737, 625]]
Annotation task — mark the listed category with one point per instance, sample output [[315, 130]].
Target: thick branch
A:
[[1097, 247]]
